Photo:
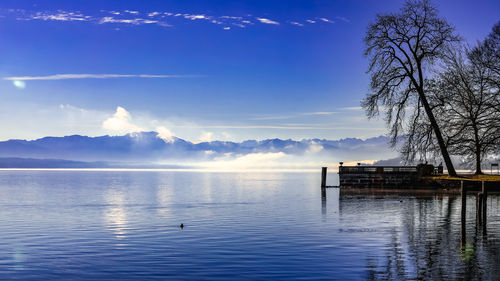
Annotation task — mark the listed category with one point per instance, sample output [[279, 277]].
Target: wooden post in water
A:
[[485, 198], [479, 208], [323, 177], [323, 201], [464, 204]]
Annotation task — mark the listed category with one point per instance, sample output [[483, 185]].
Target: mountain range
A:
[[148, 147]]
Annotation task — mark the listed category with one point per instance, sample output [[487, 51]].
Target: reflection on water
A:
[[125, 225], [424, 240], [115, 216], [163, 197]]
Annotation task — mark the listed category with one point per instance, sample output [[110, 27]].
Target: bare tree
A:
[[402, 48], [465, 99], [488, 53], [467, 105]]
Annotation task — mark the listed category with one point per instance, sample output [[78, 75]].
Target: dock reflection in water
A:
[[422, 232]]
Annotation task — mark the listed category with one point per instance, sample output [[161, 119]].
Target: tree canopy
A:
[[403, 48]]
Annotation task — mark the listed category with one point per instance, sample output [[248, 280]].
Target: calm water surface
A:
[[124, 226]]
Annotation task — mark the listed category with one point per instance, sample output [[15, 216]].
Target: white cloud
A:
[[136, 21], [352, 108], [120, 122], [267, 21], [227, 27], [296, 23], [165, 134], [314, 147], [131, 17], [326, 20], [206, 137], [95, 76], [209, 152], [160, 23], [231, 17], [196, 17], [60, 16], [19, 84], [132, 12]]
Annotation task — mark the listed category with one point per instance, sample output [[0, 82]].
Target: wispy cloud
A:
[[59, 16], [161, 18], [343, 19], [296, 23], [326, 20], [267, 21], [95, 76], [352, 108], [196, 17], [136, 21], [231, 17], [315, 147], [206, 137], [165, 134], [252, 160], [132, 12], [319, 113], [279, 127], [294, 115]]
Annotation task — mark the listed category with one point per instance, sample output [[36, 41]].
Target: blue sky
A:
[[199, 70]]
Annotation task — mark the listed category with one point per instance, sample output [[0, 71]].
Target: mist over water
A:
[[125, 225]]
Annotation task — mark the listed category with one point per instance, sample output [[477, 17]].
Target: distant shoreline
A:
[[164, 170]]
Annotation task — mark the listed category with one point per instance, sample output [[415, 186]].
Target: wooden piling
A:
[[479, 209], [323, 201], [485, 198], [323, 177], [463, 229]]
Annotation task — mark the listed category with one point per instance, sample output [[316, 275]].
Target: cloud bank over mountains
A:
[[162, 148]]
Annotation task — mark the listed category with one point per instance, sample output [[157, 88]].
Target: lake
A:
[[124, 225]]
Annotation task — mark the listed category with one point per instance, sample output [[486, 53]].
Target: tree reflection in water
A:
[[422, 240]]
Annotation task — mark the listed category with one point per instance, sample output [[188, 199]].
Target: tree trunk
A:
[[439, 136], [478, 152], [478, 163]]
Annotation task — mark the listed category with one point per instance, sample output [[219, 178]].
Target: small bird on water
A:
[[182, 225]]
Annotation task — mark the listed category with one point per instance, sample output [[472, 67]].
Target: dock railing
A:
[[376, 169]]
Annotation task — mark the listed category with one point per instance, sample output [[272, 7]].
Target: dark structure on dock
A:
[[401, 177]]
